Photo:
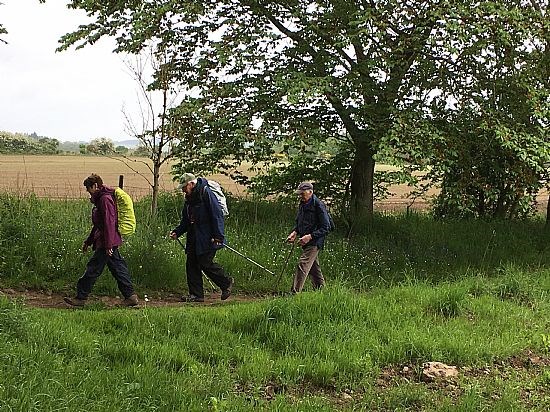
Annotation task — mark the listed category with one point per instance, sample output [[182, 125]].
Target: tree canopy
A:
[[330, 84]]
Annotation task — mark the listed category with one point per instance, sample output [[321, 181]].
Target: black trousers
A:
[[117, 266], [196, 264]]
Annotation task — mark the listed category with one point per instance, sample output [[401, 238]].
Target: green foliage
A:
[[495, 173], [101, 146], [121, 149], [297, 74], [141, 151], [2, 31], [18, 143], [486, 143]]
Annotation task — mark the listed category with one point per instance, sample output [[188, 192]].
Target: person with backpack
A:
[[312, 225], [105, 240], [202, 219]]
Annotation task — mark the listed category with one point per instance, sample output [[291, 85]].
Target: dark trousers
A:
[[196, 264], [117, 266]]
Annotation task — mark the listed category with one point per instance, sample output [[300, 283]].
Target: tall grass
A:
[[40, 243]]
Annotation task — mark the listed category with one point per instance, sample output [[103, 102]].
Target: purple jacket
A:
[[104, 234]]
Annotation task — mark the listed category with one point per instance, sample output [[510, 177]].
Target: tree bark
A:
[[362, 184], [155, 194]]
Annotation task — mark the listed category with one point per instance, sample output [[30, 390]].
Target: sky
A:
[[75, 95]]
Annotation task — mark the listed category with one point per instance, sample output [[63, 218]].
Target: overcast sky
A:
[[72, 95]]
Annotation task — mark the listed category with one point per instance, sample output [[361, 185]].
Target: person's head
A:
[[305, 191], [188, 181], [93, 183]]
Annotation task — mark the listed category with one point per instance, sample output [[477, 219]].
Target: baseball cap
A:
[[184, 179], [304, 186]]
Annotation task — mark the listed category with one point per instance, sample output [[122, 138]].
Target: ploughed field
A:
[[60, 177]]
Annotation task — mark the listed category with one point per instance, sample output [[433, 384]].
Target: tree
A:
[[49, 146], [121, 149], [3, 31], [158, 133], [296, 74], [487, 146], [101, 146]]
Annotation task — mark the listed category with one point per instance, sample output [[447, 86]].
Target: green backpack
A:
[[125, 210]]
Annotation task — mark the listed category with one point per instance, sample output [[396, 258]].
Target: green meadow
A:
[[403, 291]]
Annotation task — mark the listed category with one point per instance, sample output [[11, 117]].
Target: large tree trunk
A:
[[362, 183]]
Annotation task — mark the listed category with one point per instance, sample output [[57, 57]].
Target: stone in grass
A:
[[432, 371]]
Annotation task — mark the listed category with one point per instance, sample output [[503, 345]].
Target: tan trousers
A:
[[308, 264]]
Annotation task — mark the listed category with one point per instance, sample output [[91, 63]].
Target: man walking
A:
[[105, 240], [312, 225], [202, 220]]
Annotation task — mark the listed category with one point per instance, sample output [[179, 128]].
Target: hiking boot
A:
[[131, 300], [192, 299], [227, 292], [75, 301]]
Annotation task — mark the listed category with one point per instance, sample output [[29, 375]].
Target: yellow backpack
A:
[[125, 211]]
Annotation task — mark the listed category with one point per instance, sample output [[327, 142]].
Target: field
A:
[[61, 177]]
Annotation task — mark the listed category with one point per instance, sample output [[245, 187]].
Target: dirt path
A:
[[52, 300]]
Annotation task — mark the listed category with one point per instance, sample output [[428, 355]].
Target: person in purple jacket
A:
[[104, 239]]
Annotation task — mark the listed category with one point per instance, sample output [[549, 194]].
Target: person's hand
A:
[[84, 247], [217, 242], [304, 240], [291, 238], [173, 235], [110, 252]]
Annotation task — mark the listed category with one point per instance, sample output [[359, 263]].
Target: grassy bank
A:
[[407, 290], [316, 351]]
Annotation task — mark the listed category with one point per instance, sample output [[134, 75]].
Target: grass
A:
[[40, 243], [402, 292], [308, 349]]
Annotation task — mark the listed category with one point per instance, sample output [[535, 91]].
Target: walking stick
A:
[[285, 265], [206, 277], [247, 258]]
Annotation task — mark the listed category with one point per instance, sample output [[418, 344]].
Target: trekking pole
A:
[[285, 265], [206, 277], [247, 258]]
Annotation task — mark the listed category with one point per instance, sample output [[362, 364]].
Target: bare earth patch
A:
[[51, 300]]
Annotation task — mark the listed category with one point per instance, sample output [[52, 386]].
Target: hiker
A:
[[105, 240], [202, 220], [312, 225]]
